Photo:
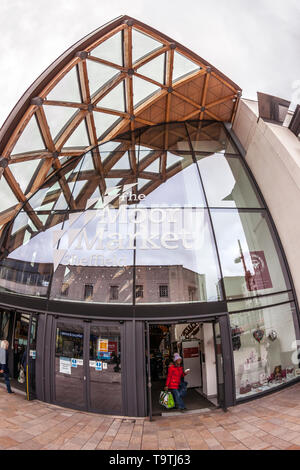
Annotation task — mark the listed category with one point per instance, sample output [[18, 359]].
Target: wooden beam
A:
[[152, 55], [69, 129], [105, 37], [108, 87], [108, 63]]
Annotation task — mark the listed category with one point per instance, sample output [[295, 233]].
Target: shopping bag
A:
[[21, 378], [166, 399]]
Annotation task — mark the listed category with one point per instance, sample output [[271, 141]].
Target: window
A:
[[65, 289], [164, 291], [264, 348], [139, 291], [114, 292], [88, 291]]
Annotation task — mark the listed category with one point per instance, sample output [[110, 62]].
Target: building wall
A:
[[273, 155]]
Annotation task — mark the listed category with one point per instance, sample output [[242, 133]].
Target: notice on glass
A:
[[103, 345], [65, 365]]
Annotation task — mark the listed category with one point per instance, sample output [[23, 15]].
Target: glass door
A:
[[104, 371], [69, 364], [87, 366], [20, 347], [31, 357], [219, 365]]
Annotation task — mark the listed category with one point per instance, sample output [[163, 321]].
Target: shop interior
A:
[[195, 342], [15, 330]]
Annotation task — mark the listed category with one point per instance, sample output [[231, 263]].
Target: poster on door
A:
[[261, 278], [65, 365], [103, 345]]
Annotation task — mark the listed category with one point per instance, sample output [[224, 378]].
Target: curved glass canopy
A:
[[189, 227], [121, 77]]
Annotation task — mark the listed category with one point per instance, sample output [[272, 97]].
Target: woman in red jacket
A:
[[175, 374]]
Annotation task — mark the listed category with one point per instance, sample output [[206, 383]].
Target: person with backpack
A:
[[173, 382]]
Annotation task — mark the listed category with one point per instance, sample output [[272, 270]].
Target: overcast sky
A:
[[255, 43]]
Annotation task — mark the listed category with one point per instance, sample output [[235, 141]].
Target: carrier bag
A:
[[166, 399], [21, 378]]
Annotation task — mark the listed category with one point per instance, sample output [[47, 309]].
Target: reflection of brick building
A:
[[114, 284], [25, 278], [104, 284]]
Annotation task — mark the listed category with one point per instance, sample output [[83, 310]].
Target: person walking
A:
[[4, 364], [174, 377]]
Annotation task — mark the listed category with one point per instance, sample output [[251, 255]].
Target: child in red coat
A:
[[175, 375]]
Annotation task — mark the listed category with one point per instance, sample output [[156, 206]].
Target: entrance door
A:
[[200, 344], [30, 369], [87, 366], [104, 371], [69, 365], [19, 347]]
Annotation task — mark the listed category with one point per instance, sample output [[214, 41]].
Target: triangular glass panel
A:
[[110, 50], [8, 198], [141, 152], [154, 69], [88, 162], [123, 163], [30, 139], [154, 166], [57, 118], [67, 88], [96, 193], [183, 66], [110, 182], [79, 138], [142, 45], [43, 218], [99, 75], [23, 172], [114, 99], [142, 90], [171, 159], [142, 182], [76, 187], [103, 122], [20, 222], [61, 203], [108, 147]]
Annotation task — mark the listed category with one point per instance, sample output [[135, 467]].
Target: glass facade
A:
[[186, 222], [156, 225]]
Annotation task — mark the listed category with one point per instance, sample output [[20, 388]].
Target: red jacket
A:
[[175, 373]]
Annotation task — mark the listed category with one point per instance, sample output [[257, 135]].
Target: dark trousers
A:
[[6, 377], [178, 399]]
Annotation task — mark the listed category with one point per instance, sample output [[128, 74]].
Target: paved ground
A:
[[272, 422]]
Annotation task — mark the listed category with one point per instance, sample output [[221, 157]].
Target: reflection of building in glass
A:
[[154, 284], [25, 278]]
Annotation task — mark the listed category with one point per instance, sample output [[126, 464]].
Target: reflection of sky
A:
[[182, 189], [226, 179]]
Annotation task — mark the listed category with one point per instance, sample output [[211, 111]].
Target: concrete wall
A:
[[273, 155]]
